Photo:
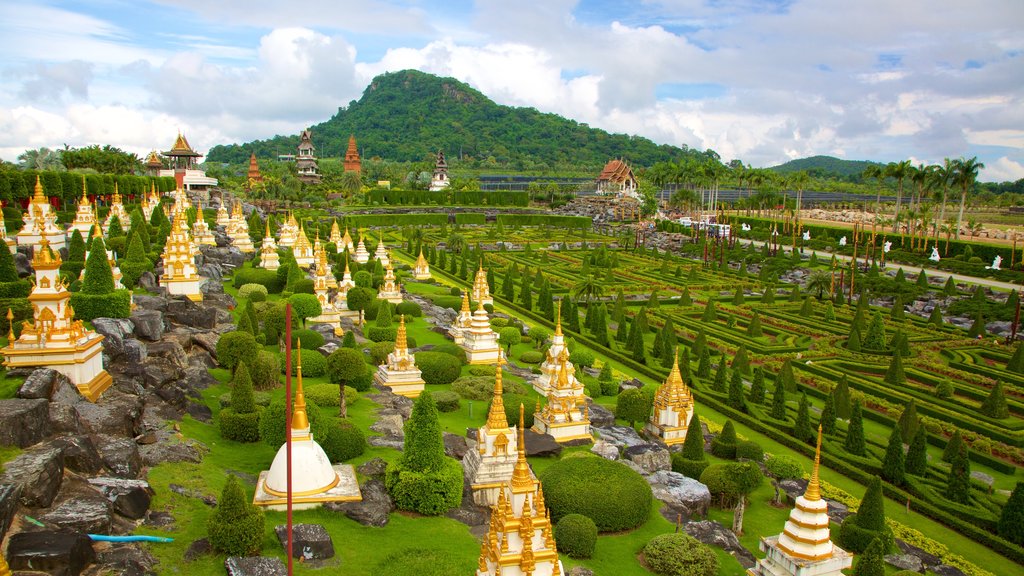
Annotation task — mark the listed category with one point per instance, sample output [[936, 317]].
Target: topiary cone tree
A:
[[1011, 521], [236, 526], [99, 277]]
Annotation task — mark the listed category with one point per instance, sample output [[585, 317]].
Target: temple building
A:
[[180, 276], [673, 409], [462, 322], [201, 233], [185, 167], [341, 298], [422, 269], [302, 249], [322, 263], [55, 339], [305, 160], [361, 256], [238, 231], [40, 222], [439, 181], [117, 209], [617, 178], [352, 161], [520, 539], [153, 164], [390, 289], [269, 257], [399, 372], [565, 416], [548, 377], [481, 290], [805, 546], [314, 481], [254, 177], [223, 216], [322, 280], [85, 219], [381, 254], [288, 232], [490, 466], [480, 341]]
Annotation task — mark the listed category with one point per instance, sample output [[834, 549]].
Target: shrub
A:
[[236, 346], [481, 388], [409, 308], [310, 339], [451, 349], [531, 357], [680, 555], [314, 364], [236, 526], [345, 365], [272, 422], [633, 405], [447, 401], [609, 388], [304, 305], [379, 352], [134, 263], [266, 278], [576, 536], [626, 496], [266, 371], [424, 480], [481, 371], [724, 445], [582, 358], [303, 286], [253, 292], [326, 395], [99, 277], [241, 421], [512, 402], [687, 467], [438, 367], [116, 304], [381, 333], [343, 441], [749, 450]]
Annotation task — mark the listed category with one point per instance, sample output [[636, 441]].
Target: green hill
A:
[[409, 115], [825, 166]]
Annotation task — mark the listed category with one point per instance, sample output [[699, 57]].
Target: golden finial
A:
[[496, 419], [465, 302], [117, 194], [85, 197], [400, 339], [558, 318], [39, 198], [813, 491], [300, 421], [267, 233], [522, 480], [10, 326], [675, 379]]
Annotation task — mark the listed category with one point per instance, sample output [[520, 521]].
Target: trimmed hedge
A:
[[343, 441], [680, 555], [431, 493], [625, 496], [266, 278], [531, 357], [314, 364], [576, 536], [438, 367], [253, 292], [554, 220], [446, 400], [116, 304]]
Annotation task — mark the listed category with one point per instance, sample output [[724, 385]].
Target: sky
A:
[[762, 81]]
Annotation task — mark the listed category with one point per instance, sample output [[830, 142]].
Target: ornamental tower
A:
[[805, 547], [422, 269], [399, 372], [183, 158], [390, 289], [565, 416], [440, 179], [288, 232], [302, 249], [673, 409], [201, 234], [462, 322], [382, 252], [352, 162], [346, 242], [153, 164], [117, 209], [480, 341], [84, 217], [223, 218], [322, 282], [269, 258], [481, 290], [54, 339], [305, 161], [335, 237], [361, 256], [549, 368], [254, 177], [238, 231], [180, 275], [489, 467], [40, 222]]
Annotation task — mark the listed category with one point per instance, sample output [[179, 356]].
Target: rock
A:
[[148, 282], [600, 417], [386, 442], [130, 498], [927, 560], [22, 263], [120, 455], [181, 310], [115, 331], [581, 571], [541, 444], [148, 302], [200, 358], [157, 373], [455, 446], [373, 510], [116, 413], [82, 509], [390, 425], [9, 497], [714, 534], [80, 454], [309, 541], [198, 548], [328, 348], [212, 272], [207, 341], [64, 419], [24, 422], [38, 384], [172, 449], [947, 570], [134, 355], [605, 450], [374, 467], [54, 552], [207, 499], [161, 520], [680, 494], [650, 457], [620, 436], [169, 350], [255, 566], [982, 477], [904, 562], [469, 513], [126, 560], [39, 471], [149, 324], [793, 488]]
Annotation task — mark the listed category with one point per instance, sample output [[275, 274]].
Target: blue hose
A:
[[102, 538]]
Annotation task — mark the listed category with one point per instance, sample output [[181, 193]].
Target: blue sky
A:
[[763, 81]]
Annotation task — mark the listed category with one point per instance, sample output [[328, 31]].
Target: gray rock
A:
[[148, 282], [581, 571], [115, 331], [947, 570], [927, 560], [149, 324], [469, 513], [605, 450], [455, 446], [373, 467], [169, 350], [374, 508], [650, 458], [541, 444], [207, 341], [63, 553], [24, 422], [9, 496], [80, 454], [328, 348], [22, 263], [116, 413], [600, 417], [680, 494], [38, 384], [181, 310], [714, 534], [390, 425], [39, 471], [149, 302], [129, 498], [158, 372], [255, 566], [620, 436], [212, 272], [309, 541], [120, 455], [386, 442], [81, 509], [64, 419], [126, 560], [904, 562]]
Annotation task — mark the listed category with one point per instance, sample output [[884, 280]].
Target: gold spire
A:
[[39, 197], [117, 194], [465, 302], [522, 480], [267, 233], [813, 492], [400, 340], [85, 197], [675, 379], [558, 318], [300, 421], [10, 326], [496, 419]]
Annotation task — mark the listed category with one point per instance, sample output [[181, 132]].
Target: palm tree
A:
[[876, 171], [798, 181], [41, 159], [820, 280], [948, 227], [964, 175], [588, 288], [940, 178], [899, 171]]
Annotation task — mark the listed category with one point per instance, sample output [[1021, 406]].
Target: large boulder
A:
[[181, 310], [116, 413], [24, 422], [115, 332], [600, 417], [120, 455], [605, 450], [38, 384], [650, 458], [309, 541], [80, 454], [455, 446], [149, 283], [149, 324], [126, 560], [39, 471], [905, 562], [53, 552], [947, 570], [714, 534], [129, 498], [541, 444], [255, 566], [9, 496], [374, 508], [620, 436], [169, 350], [81, 509], [680, 494]]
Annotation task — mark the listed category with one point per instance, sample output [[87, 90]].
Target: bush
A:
[[272, 422], [310, 339], [576, 536], [253, 292], [116, 304], [446, 400], [680, 555], [481, 371], [379, 352], [304, 286], [582, 358], [451, 349], [749, 450], [326, 395], [409, 308], [236, 526], [314, 364], [343, 441], [266, 371], [266, 278], [724, 444], [512, 402], [381, 333], [239, 427], [625, 496], [531, 357], [424, 479], [687, 467], [481, 388], [236, 346], [438, 367], [609, 388]]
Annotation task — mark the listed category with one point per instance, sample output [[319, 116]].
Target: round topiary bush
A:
[[451, 349], [310, 339], [253, 292], [625, 500], [481, 371], [314, 364], [381, 333], [749, 450], [236, 346], [438, 367], [266, 371], [576, 536], [582, 358], [482, 388], [343, 441], [236, 526], [272, 422], [687, 467], [326, 395], [409, 308], [680, 555], [304, 286], [446, 400], [531, 357], [379, 352]]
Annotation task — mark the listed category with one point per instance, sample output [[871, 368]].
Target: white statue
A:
[[807, 235], [996, 262], [842, 241], [775, 231], [745, 227], [886, 247], [935, 254]]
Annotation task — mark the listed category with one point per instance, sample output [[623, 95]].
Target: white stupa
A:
[[480, 341], [422, 269], [490, 466], [390, 289], [481, 290], [381, 253], [269, 258], [361, 256], [548, 376], [288, 232], [462, 322], [85, 218], [399, 372], [565, 416], [673, 409], [302, 249], [40, 221]]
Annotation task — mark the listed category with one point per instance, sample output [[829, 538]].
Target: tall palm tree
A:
[[798, 181], [820, 280], [588, 288], [899, 171], [876, 171], [964, 175], [941, 177]]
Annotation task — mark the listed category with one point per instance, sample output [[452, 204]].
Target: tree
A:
[[720, 383], [741, 361], [236, 526], [917, 455], [956, 442], [360, 298], [871, 513], [509, 336], [704, 364], [424, 445], [781, 468], [875, 338], [853, 343], [99, 277], [958, 483], [305, 306], [908, 421], [894, 463], [872, 561], [827, 421], [1011, 520], [994, 405], [710, 314], [525, 293], [977, 329], [894, 375], [588, 289], [633, 405], [345, 365], [899, 171], [965, 172], [1016, 362], [693, 445], [736, 392], [779, 400], [841, 395], [757, 389], [854, 443], [754, 328], [802, 429], [820, 281], [384, 317], [786, 375]]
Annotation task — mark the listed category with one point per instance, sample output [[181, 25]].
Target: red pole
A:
[[288, 422]]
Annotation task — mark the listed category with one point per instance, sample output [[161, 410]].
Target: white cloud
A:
[[1002, 170]]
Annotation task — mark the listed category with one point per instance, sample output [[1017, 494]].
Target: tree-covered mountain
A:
[[824, 166], [409, 115]]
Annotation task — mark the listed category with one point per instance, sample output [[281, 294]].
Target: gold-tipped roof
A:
[[39, 197], [401, 342], [44, 258], [421, 261], [117, 195], [153, 159], [813, 491], [522, 480], [496, 419], [300, 421], [558, 318], [267, 233], [465, 302], [85, 195], [181, 144]]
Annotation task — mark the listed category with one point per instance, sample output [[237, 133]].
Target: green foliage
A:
[[116, 304], [875, 338], [958, 482], [576, 536], [531, 357], [757, 388], [424, 480], [894, 463], [266, 371], [917, 454], [721, 377], [438, 367], [894, 375], [853, 343], [730, 481], [99, 278], [841, 393], [854, 442], [626, 496], [724, 444], [1011, 521], [779, 400], [710, 314], [994, 405], [314, 364], [304, 306], [326, 395], [343, 442], [451, 349], [309, 339], [272, 422], [345, 365], [446, 400], [736, 390], [956, 442], [749, 450], [241, 421], [858, 530], [236, 347], [908, 421], [977, 329], [872, 561], [633, 406], [680, 555], [269, 279], [236, 526], [424, 448], [1016, 362], [802, 428], [582, 358], [783, 466], [693, 445], [827, 420], [509, 336], [134, 263], [384, 316], [253, 292]]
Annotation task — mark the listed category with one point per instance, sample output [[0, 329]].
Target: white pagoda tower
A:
[[201, 233], [481, 291], [269, 257], [150, 201], [335, 237], [288, 232], [55, 339], [329, 314], [180, 276], [390, 289], [223, 218], [238, 231], [673, 409], [400, 372], [548, 376], [381, 253], [40, 222], [480, 341], [303, 250], [565, 416], [117, 209], [346, 243], [422, 269], [85, 219], [361, 256], [462, 322], [805, 546], [490, 466]]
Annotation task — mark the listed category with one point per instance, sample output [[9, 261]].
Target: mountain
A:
[[409, 115], [825, 166]]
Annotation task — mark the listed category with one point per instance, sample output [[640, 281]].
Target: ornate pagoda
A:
[[490, 466], [399, 372], [381, 254], [288, 232], [150, 201], [223, 216], [153, 164], [335, 237], [201, 233], [673, 409], [238, 231], [305, 160], [314, 480], [390, 289], [253, 177], [481, 290], [805, 546], [520, 540], [422, 269], [322, 263], [302, 249], [341, 297], [548, 376], [322, 279], [269, 257], [361, 256], [565, 416], [117, 209], [462, 322], [85, 219], [439, 181], [40, 222], [352, 162], [345, 243], [55, 339], [480, 341], [180, 276]]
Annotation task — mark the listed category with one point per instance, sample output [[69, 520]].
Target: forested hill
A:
[[824, 166], [408, 115]]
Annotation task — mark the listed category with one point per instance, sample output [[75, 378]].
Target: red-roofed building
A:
[[617, 177]]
